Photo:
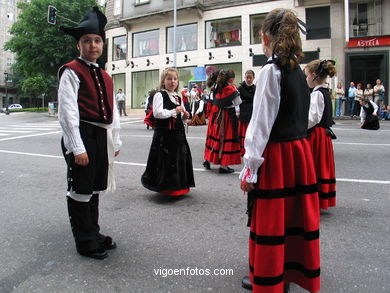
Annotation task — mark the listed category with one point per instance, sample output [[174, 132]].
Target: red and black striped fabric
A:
[[322, 149], [222, 142], [242, 127], [284, 241], [230, 153]]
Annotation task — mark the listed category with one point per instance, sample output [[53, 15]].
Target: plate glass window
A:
[[256, 23], [186, 38], [146, 43], [119, 48], [223, 32]]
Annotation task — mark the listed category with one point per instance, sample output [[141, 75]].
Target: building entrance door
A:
[[367, 67]]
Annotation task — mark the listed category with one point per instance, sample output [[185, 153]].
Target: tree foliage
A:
[[41, 48], [34, 86]]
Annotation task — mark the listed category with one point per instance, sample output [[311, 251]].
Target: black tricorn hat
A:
[[93, 22]]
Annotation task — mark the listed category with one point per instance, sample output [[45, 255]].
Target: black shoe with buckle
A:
[[206, 165], [106, 242], [225, 171], [246, 283]]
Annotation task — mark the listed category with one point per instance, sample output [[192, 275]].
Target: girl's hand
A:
[[246, 186], [179, 109], [81, 159], [186, 115], [117, 153]]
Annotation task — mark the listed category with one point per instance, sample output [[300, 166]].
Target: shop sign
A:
[[369, 42]]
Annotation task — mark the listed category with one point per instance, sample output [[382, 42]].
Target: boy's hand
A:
[[81, 159], [179, 109]]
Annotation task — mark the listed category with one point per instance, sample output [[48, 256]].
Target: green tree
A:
[[41, 48], [34, 86]]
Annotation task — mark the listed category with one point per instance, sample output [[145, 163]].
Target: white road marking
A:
[[195, 169], [30, 135]]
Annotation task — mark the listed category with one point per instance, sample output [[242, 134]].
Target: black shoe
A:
[[206, 165], [109, 243], [246, 283], [226, 171], [96, 254]]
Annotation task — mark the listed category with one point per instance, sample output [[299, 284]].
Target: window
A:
[[186, 38], [256, 23], [119, 82], [119, 48], [318, 20], [117, 7], [365, 19], [223, 33], [236, 67], [185, 74], [138, 2], [145, 43], [142, 83]]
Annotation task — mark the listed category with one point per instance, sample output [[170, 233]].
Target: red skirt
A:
[[322, 149], [242, 127], [208, 109], [284, 243], [149, 119], [224, 151]]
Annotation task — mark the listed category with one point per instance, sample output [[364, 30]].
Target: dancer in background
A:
[[369, 114], [247, 92], [149, 118], [320, 135], [222, 144]]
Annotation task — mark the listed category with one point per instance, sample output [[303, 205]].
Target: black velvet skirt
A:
[[169, 165]]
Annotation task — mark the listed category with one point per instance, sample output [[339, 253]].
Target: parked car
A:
[[15, 107]]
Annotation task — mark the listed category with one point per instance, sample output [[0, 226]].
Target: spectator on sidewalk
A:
[[340, 98], [351, 98], [369, 92], [379, 93], [120, 99], [359, 94]]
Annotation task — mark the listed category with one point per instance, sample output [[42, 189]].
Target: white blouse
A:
[[363, 113], [68, 113], [317, 106], [265, 109], [158, 105]]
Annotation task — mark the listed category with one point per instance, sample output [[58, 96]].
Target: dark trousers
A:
[[122, 107], [84, 218]]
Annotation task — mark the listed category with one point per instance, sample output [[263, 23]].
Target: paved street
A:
[[202, 232]]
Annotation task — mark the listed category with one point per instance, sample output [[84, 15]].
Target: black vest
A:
[[169, 123], [292, 119], [247, 94], [326, 120]]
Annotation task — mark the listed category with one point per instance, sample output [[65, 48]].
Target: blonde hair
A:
[[322, 68], [281, 26], [164, 76]]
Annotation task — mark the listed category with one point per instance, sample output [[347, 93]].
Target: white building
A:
[[224, 34]]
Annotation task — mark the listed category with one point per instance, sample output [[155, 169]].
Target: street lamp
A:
[[6, 92]]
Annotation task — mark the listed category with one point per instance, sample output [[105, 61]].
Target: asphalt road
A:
[[203, 233]]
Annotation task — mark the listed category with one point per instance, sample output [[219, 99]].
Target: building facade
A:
[[8, 15], [225, 34]]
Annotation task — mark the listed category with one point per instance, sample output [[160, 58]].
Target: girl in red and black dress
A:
[[169, 167], [247, 92], [278, 168], [149, 119], [222, 143], [320, 121]]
